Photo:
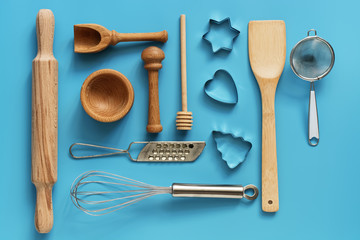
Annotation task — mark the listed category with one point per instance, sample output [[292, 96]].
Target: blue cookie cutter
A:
[[224, 91], [227, 24], [233, 149]]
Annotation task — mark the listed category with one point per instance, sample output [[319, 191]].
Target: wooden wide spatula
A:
[[267, 52]]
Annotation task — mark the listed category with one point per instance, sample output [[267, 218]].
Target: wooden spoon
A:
[[267, 53], [91, 38]]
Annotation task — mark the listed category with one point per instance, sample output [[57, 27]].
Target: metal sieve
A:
[[311, 59]]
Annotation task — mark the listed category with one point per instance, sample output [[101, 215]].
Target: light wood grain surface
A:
[[183, 62], [91, 38], [267, 53], [183, 118], [44, 120], [107, 95]]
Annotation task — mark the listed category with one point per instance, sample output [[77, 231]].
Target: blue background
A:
[[319, 196]]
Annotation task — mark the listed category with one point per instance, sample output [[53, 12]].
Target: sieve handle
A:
[[313, 118]]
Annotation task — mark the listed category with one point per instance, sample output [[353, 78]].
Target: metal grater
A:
[[163, 151]]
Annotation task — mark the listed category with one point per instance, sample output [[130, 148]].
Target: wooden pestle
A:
[[91, 38], [152, 57], [44, 120], [183, 118]]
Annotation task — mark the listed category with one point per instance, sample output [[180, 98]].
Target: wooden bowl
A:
[[107, 95]]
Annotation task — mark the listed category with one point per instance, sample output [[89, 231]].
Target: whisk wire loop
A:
[[122, 198]]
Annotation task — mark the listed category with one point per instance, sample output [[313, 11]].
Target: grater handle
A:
[[88, 147]]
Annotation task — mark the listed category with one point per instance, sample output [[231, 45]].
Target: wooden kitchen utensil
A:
[[44, 120], [107, 95], [267, 52], [152, 57], [183, 118], [91, 38]]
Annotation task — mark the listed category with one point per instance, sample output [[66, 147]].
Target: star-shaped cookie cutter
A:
[[227, 23]]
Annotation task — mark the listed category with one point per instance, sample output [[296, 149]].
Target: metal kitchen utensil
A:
[[232, 147], [161, 151], [311, 59], [224, 44], [98, 193], [221, 87]]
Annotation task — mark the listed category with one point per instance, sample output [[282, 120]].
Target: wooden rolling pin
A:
[[152, 57], [44, 120]]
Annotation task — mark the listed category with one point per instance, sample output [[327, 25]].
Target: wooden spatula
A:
[[267, 52]]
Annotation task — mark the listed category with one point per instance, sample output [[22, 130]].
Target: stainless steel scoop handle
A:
[[313, 118]]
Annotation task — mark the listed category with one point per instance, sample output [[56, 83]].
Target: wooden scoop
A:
[[91, 38], [267, 52]]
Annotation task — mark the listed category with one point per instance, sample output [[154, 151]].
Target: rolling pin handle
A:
[[43, 210], [45, 24]]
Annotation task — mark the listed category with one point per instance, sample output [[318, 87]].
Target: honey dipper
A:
[[183, 118]]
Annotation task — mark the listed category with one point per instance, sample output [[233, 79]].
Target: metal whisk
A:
[[110, 192]]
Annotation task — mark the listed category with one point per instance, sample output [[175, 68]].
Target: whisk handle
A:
[[213, 191]]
